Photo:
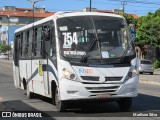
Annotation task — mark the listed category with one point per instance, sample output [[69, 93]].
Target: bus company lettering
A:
[[88, 71]]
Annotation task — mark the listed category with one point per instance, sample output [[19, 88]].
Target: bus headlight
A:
[[133, 72], [67, 74]]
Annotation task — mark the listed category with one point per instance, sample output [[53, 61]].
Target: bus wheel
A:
[[29, 94], [125, 103], [59, 104]]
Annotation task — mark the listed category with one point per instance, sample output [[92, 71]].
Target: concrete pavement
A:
[[3, 107], [6, 61], [150, 79]]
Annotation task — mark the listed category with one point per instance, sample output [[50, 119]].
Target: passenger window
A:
[[39, 41], [29, 44], [47, 33], [26, 45]]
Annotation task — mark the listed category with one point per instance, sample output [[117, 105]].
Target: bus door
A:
[[46, 48]]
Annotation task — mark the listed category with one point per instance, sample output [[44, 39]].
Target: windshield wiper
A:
[[84, 57]]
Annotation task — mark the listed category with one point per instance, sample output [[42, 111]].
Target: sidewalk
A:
[[150, 79], [6, 61]]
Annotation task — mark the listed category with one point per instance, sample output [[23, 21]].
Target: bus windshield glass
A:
[[95, 37]]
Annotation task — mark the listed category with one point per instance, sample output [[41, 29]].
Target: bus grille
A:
[[107, 89], [113, 78], [90, 78], [96, 78]]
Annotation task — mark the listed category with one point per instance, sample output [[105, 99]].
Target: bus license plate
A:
[[103, 96]]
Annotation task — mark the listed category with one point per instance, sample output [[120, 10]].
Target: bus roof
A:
[[66, 14]]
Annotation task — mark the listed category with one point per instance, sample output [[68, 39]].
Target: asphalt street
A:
[[13, 99]]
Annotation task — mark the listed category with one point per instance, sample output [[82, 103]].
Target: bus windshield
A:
[[95, 37]]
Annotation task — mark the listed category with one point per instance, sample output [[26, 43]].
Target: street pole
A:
[[33, 3], [8, 33], [90, 8], [124, 3], [33, 11]]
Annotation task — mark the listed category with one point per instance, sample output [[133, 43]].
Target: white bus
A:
[[73, 56]]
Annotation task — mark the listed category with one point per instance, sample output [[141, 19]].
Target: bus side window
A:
[[39, 41], [47, 35], [20, 44], [46, 40], [25, 45], [29, 44], [34, 42]]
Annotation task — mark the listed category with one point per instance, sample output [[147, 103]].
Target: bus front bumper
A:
[[72, 90]]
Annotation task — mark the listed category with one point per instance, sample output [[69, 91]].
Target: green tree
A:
[[130, 19], [4, 48], [149, 29], [132, 24]]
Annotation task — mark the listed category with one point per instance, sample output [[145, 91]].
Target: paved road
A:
[[12, 99], [151, 79]]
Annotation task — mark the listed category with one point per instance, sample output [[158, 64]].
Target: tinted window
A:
[[146, 62]]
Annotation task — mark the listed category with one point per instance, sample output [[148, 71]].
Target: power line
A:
[[118, 3], [98, 2], [143, 2], [110, 2], [140, 2], [129, 3]]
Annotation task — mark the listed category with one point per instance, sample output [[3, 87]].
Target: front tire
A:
[[60, 105], [125, 103]]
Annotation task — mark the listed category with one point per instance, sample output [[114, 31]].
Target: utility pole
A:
[[90, 8], [33, 3], [33, 11], [123, 4]]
